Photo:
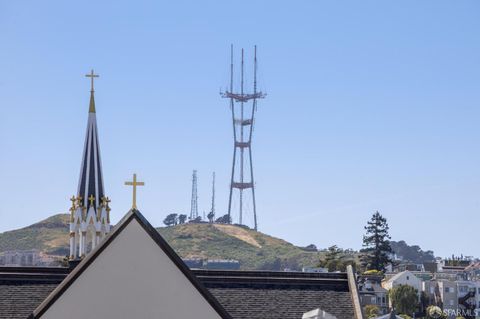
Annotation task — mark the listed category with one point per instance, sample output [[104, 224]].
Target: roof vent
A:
[[318, 314]]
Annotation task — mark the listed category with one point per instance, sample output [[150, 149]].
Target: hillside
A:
[[49, 235], [253, 249]]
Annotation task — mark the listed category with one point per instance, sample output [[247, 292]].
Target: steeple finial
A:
[[92, 76]]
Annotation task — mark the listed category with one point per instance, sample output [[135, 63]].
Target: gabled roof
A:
[[92, 257], [399, 275]]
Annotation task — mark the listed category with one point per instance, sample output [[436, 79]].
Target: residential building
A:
[[403, 278], [468, 295], [371, 292]]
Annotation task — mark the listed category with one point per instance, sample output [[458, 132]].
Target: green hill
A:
[[49, 235], [253, 249]]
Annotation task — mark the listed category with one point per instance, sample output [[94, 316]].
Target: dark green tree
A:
[[404, 299], [225, 219], [335, 259], [182, 218], [196, 220], [171, 219], [376, 254], [210, 217]]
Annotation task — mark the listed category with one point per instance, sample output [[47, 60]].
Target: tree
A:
[[210, 217], [404, 299], [413, 253], [311, 247], [376, 254], [335, 259], [196, 220], [225, 219], [371, 311], [425, 301], [171, 219], [182, 218]]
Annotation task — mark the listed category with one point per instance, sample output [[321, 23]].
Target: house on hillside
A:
[[441, 293], [371, 292], [403, 278], [468, 295]]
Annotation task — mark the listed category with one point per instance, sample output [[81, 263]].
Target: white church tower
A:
[[90, 212]]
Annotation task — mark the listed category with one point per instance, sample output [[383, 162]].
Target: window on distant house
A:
[[408, 277], [374, 299], [432, 290]]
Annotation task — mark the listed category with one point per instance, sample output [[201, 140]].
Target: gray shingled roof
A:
[[278, 295], [22, 289], [244, 294], [19, 299]]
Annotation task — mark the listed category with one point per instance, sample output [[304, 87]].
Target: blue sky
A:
[[372, 105]]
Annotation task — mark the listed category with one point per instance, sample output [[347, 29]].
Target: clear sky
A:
[[372, 105]]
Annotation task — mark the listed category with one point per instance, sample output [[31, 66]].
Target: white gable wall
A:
[[131, 278], [404, 278]]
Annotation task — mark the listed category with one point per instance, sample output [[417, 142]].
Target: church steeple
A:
[[90, 208], [92, 76], [91, 109], [91, 177]]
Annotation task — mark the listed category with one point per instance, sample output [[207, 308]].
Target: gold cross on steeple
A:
[[92, 76], [134, 183], [91, 199], [79, 200]]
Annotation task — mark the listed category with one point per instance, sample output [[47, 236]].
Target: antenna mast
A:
[[212, 210], [242, 136], [194, 201]]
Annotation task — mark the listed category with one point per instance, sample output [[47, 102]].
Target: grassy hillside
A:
[[253, 249], [49, 235]]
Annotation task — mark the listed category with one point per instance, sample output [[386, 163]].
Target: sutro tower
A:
[[243, 106]]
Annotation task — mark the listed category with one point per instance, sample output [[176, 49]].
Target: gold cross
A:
[[92, 75], [91, 199], [134, 183], [105, 201], [73, 200], [79, 200]]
